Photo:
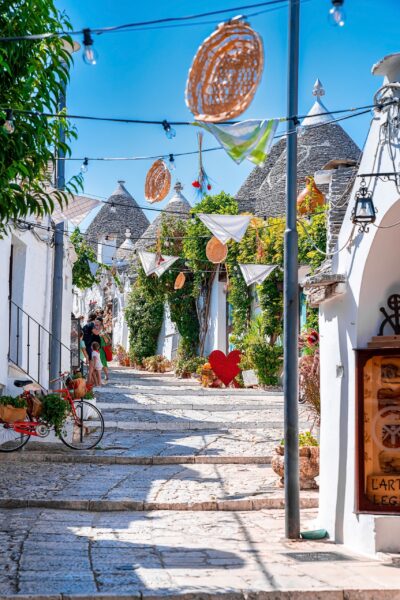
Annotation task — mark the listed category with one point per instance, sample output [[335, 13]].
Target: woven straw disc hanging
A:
[[216, 251], [158, 182], [180, 281], [225, 73]]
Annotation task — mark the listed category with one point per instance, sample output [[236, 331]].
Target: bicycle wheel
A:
[[11, 440], [85, 430]]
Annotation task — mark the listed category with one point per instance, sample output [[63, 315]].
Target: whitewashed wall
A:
[[32, 292], [348, 322], [216, 334]]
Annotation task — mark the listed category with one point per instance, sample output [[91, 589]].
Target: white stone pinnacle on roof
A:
[[316, 115], [178, 196]]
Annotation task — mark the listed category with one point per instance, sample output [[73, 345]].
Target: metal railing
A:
[[30, 346]]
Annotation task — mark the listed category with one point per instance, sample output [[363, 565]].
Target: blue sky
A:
[[142, 74]]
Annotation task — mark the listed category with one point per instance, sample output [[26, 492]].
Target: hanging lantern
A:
[[225, 72], [310, 198], [180, 281], [364, 211], [216, 251], [158, 182]]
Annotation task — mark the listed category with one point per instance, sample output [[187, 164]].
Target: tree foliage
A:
[[33, 74]]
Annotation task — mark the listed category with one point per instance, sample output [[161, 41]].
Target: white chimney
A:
[[389, 68]]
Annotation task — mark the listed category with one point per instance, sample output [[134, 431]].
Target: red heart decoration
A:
[[225, 367]]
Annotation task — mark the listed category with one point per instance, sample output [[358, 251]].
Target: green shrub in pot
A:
[[54, 412]]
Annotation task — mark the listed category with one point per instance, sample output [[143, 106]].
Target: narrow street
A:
[[141, 515]]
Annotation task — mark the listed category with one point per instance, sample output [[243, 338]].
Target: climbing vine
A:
[[82, 277]]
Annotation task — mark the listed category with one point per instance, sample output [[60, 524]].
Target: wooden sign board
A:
[[378, 429]]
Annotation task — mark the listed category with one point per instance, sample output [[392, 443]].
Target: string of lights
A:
[[139, 24]]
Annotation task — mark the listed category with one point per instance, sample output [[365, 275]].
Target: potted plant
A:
[[54, 412], [90, 397], [308, 461], [12, 409]]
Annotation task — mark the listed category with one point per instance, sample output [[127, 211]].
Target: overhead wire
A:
[[140, 24]]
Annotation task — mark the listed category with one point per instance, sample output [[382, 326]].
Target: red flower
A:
[[313, 337], [196, 184]]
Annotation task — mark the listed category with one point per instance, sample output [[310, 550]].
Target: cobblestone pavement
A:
[[160, 512], [168, 553]]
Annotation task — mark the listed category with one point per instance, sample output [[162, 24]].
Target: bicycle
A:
[[83, 428]]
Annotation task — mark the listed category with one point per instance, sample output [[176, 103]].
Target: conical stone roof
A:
[[177, 207], [113, 220], [319, 141]]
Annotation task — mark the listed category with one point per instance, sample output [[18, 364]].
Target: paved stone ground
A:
[[204, 455]]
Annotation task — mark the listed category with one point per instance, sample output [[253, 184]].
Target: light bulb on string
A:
[[8, 125], [89, 55], [113, 208], [169, 131], [85, 165], [172, 165], [336, 14]]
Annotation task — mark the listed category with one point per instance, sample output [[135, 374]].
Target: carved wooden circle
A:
[[225, 73], [216, 251], [158, 182]]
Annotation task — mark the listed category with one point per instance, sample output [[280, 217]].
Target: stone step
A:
[[183, 406], [161, 425], [95, 459], [105, 487]]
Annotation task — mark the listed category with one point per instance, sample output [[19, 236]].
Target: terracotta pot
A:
[[308, 466], [310, 198]]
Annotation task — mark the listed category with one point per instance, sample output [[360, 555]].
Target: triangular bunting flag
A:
[[226, 227], [256, 273], [93, 266], [153, 264]]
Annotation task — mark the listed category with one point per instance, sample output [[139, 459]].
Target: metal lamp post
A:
[[291, 291], [58, 276]]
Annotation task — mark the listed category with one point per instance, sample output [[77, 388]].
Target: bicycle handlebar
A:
[[62, 375]]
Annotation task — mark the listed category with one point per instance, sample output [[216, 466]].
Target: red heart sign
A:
[[225, 367]]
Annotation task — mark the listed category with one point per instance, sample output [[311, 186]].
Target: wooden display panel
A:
[[378, 430]]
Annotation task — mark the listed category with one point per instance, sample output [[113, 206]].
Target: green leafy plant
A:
[[156, 364], [305, 439], [33, 75], [144, 315], [15, 401], [184, 366], [54, 412], [89, 395], [261, 354]]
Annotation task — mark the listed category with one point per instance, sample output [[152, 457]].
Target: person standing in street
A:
[[104, 346], [90, 335]]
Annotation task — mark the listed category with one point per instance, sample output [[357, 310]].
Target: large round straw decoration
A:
[[216, 251], [225, 73], [180, 281], [158, 182]]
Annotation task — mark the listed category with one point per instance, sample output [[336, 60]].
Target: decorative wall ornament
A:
[[158, 182], [226, 227], [180, 281], [256, 273], [216, 251], [225, 72], [152, 264], [202, 183], [392, 319]]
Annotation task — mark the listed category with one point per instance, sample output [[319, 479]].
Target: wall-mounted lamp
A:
[[364, 211]]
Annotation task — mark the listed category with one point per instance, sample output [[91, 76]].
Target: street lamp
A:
[[364, 211]]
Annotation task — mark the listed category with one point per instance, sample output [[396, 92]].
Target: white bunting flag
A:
[[151, 264], [93, 266], [256, 273], [226, 227]]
